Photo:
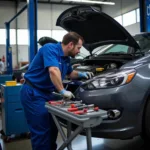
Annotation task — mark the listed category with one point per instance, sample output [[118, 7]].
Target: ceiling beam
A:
[[51, 2], [66, 3]]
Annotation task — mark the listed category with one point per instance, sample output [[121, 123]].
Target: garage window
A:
[[129, 18], [3, 37], [23, 35], [41, 33], [138, 15], [119, 19], [58, 34], [23, 38]]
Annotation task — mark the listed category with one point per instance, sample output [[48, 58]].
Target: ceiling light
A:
[[93, 2]]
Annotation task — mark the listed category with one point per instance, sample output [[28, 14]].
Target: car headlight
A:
[[112, 80]]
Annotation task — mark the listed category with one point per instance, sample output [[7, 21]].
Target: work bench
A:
[[84, 122]]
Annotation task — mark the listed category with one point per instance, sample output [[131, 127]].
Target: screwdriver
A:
[[76, 105], [56, 102], [84, 111], [80, 108], [92, 110], [80, 112]]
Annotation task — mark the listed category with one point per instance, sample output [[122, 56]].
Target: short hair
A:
[[0, 59], [72, 37]]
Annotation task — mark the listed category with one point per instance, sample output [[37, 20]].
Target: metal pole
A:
[[59, 127], [8, 49], [69, 133], [18, 14], [68, 141], [17, 53], [32, 26], [142, 16], [88, 139]]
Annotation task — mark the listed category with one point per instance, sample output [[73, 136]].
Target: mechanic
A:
[[45, 74], [45, 39], [2, 67], [42, 41]]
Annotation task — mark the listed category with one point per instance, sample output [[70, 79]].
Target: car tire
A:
[[146, 123]]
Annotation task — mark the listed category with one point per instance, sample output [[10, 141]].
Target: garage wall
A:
[[47, 15], [121, 7], [133, 29]]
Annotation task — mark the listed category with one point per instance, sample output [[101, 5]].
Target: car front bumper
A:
[[125, 99]]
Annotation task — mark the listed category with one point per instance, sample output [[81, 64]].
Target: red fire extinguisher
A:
[[3, 58]]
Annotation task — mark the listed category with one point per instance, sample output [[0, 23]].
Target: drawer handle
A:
[[19, 110]]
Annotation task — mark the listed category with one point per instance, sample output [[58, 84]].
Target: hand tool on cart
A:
[[80, 107], [64, 102], [76, 105], [85, 111], [84, 122]]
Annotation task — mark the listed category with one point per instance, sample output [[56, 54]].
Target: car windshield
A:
[[142, 39]]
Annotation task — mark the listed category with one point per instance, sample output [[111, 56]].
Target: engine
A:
[[95, 68]]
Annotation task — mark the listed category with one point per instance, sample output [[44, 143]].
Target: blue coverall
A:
[[34, 95]]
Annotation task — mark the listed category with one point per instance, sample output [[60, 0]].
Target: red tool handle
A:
[[96, 108], [80, 112], [72, 109], [55, 102], [76, 105]]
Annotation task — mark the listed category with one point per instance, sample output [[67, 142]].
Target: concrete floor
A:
[[80, 144]]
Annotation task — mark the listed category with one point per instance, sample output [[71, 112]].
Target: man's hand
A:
[[66, 94], [87, 75]]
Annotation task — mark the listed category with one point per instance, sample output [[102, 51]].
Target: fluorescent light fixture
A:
[[92, 2]]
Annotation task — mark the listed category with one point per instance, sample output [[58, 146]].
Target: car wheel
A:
[[146, 122]]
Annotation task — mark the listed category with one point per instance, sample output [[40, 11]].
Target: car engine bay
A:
[[98, 66]]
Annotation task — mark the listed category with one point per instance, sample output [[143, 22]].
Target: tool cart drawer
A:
[[10, 93], [16, 121], [13, 117]]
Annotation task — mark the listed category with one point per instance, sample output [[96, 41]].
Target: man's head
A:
[[72, 42], [0, 59]]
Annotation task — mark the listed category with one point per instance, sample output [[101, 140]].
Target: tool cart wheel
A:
[[146, 122]]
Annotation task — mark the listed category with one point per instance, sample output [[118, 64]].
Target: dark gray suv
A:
[[122, 72]]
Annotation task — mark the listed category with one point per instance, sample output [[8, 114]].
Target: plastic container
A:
[[99, 69], [10, 83]]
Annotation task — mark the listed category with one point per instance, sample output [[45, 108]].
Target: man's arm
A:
[[55, 76], [73, 75], [77, 74]]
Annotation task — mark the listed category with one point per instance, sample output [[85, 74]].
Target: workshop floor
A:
[[80, 144]]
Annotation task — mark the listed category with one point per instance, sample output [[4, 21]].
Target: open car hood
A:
[[96, 27]]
